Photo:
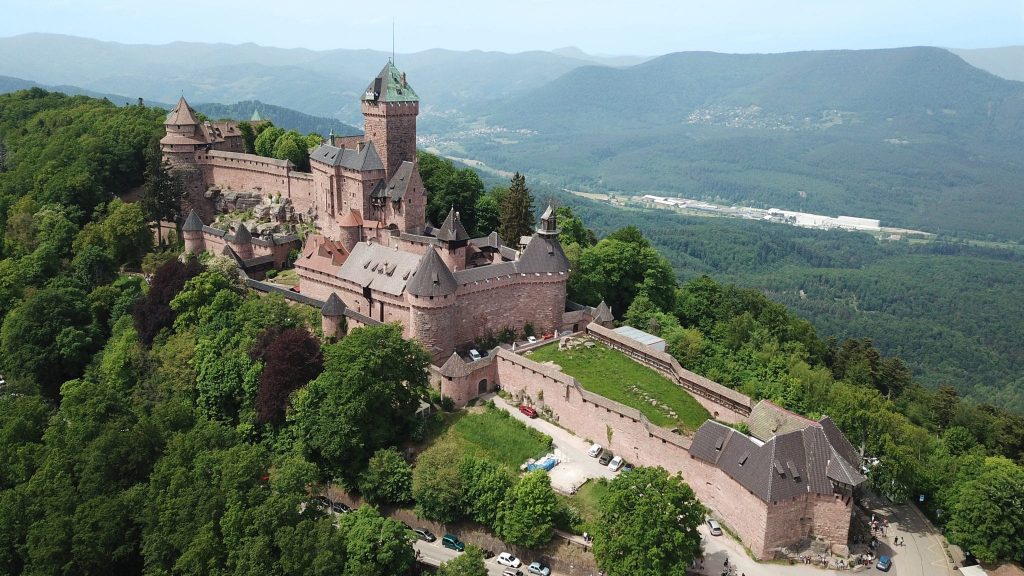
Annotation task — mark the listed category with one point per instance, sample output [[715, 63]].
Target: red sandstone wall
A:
[[430, 323], [832, 516], [301, 191], [629, 437], [737, 507], [392, 129], [463, 389], [509, 302]]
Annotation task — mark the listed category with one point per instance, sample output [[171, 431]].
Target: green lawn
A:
[[615, 376], [495, 435], [584, 506]]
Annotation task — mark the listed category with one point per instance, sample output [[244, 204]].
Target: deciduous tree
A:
[[469, 563], [648, 525], [291, 360], [526, 516], [988, 512], [365, 399], [387, 478]]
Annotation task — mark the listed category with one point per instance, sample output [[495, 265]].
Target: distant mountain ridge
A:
[[282, 117], [915, 137], [1005, 62], [323, 83]]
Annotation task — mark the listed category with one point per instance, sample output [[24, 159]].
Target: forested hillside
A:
[[281, 117], [913, 136], [949, 309]]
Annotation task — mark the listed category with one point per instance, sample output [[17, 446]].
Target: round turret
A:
[[242, 242], [192, 234]]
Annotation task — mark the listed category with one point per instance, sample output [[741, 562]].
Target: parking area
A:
[[574, 466]]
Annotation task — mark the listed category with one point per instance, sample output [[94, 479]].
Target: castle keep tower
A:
[[390, 107]]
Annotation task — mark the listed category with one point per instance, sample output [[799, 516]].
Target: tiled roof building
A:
[[801, 475]]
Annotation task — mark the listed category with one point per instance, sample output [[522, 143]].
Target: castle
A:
[[373, 258], [373, 249]]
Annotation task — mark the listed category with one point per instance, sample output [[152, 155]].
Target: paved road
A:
[[923, 554], [575, 466], [434, 554]]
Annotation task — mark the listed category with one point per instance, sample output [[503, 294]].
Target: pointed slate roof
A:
[[455, 367], [603, 313], [242, 235], [451, 229], [256, 116], [390, 86], [542, 254], [182, 114], [432, 277], [363, 158], [405, 178], [333, 307], [193, 223]]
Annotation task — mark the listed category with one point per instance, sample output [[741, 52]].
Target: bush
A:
[[507, 335], [528, 330], [387, 478]]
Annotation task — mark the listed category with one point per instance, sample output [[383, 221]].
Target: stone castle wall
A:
[[249, 172], [763, 526], [509, 301]]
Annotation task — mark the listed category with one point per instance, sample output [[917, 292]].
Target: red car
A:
[[528, 410]]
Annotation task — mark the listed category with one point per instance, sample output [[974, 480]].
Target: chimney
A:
[[331, 136], [404, 83]]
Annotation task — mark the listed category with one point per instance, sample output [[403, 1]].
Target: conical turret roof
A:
[[334, 307], [242, 235], [193, 223], [182, 114], [603, 313], [432, 277], [452, 229]]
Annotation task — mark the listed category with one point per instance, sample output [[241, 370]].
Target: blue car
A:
[[884, 563]]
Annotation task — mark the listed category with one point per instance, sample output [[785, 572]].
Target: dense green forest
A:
[[159, 418], [948, 308]]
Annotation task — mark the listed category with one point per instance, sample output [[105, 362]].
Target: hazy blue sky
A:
[[597, 26]]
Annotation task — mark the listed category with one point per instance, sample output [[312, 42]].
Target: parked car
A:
[[508, 559], [714, 527], [531, 339], [595, 451], [512, 573], [424, 534], [615, 464], [884, 563], [340, 508], [474, 354], [450, 541], [605, 458], [321, 502], [538, 568], [528, 410], [626, 466]]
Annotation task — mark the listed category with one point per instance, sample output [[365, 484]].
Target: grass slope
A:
[[615, 376], [496, 436]]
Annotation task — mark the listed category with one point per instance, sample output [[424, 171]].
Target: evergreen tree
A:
[[161, 194], [516, 212]]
